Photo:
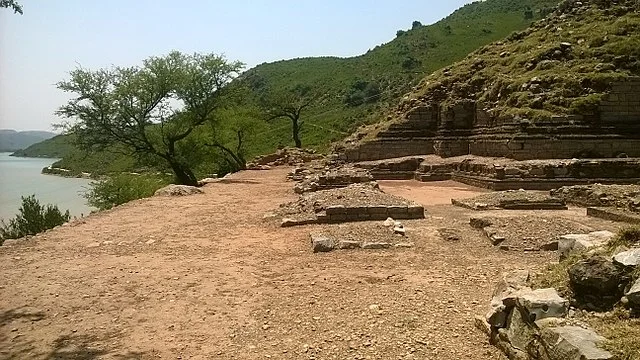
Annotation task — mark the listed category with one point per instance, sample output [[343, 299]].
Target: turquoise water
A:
[[22, 177]]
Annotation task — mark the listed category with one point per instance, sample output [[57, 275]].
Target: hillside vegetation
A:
[[563, 64], [349, 92]]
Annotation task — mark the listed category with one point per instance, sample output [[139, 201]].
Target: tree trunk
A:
[[296, 133], [183, 173]]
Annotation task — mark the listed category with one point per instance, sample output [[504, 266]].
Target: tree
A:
[[416, 24], [290, 104], [149, 110], [17, 8]]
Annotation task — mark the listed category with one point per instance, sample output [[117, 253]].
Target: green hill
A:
[[561, 65], [11, 140], [357, 90], [384, 74]]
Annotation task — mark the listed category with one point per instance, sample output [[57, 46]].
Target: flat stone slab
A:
[[574, 343], [571, 243], [629, 258]]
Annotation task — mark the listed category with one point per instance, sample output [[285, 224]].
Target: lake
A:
[[22, 177]]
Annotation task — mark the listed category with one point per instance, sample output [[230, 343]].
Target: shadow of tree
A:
[[21, 313], [65, 347], [84, 347]]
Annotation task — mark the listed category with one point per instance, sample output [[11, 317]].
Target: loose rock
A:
[[321, 244], [178, 190]]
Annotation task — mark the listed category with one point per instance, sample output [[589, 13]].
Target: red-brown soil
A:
[[205, 277]]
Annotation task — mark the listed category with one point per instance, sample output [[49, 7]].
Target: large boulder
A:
[[597, 281], [178, 190], [573, 343]]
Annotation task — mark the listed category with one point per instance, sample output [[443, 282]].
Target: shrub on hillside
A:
[[32, 219], [119, 189]]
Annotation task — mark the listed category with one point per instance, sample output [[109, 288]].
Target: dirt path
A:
[[204, 277]]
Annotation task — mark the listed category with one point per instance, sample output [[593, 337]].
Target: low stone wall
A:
[[614, 215], [395, 169], [555, 148], [507, 174], [338, 213]]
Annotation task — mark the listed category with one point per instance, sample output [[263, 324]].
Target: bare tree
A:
[[289, 104]]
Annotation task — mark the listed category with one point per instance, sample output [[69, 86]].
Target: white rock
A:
[[389, 222], [628, 258], [633, 296], [574, 343], [542, 304]]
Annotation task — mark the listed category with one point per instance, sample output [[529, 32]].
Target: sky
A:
[[39, 48]]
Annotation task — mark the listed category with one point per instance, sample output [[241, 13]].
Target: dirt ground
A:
[[204, 277]]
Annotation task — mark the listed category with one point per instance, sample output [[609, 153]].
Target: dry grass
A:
[[622, 333]]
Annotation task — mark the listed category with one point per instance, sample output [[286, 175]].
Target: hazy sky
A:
[[38, 48]]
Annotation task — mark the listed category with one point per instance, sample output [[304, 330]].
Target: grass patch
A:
[[628, 236], [622, 333]]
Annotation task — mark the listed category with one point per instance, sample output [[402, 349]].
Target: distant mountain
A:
[[11, 140]]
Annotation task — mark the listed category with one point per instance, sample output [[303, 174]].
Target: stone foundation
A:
[[338, 214], [508, 174]]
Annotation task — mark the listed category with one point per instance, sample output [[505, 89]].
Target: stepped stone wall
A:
[[463, 129]]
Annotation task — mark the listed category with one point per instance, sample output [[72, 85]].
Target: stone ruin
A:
[[465, 129], [466, 144], [540, 324]]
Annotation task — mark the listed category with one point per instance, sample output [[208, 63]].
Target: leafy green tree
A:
[[290, 103], [148, 111], [32, 219], [416, 24], [11, 4]]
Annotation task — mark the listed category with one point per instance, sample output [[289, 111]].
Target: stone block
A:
[[321, 243], [375, 246], [336, 209], [629, 258], [348, 245], [573, 343], [542, 303], [398, 211], [378, 210]]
